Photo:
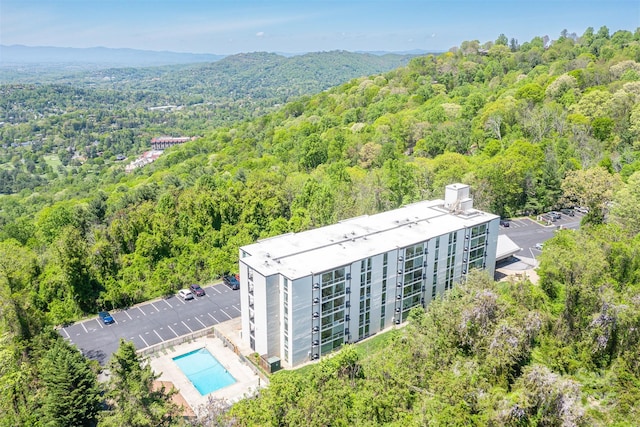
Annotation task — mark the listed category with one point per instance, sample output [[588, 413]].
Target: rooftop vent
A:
[[456, 199]]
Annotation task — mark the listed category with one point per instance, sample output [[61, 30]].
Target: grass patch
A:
[[365, 348], [374, 344], [53, 160]]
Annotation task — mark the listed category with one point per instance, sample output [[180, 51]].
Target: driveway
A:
[[526, 232], [153, 322]]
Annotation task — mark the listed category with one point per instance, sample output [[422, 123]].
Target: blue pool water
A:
[[204, 371]]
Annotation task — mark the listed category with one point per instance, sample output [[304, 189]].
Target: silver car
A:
[[185, 294]]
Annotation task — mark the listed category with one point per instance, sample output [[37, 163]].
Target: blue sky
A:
[[233, 26]]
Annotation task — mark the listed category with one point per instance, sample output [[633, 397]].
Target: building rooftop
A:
[[174, 139], [296, 255]]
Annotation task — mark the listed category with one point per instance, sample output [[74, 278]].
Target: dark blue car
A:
[[106, 317], [231, 282]]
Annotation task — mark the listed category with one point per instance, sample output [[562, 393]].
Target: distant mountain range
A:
[[17, 55], [100, 57]]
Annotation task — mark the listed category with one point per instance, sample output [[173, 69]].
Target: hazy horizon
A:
[[227, 28]]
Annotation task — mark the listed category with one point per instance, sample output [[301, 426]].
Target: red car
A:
[[197, 290]]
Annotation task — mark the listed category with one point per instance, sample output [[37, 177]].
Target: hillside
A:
[[530, 127], [101, 114]]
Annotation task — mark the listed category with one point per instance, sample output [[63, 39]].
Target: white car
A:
[[185, 294], [538, 246]]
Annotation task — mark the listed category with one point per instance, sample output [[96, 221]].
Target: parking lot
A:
[[153, 322], [164, 319], [526, 232]]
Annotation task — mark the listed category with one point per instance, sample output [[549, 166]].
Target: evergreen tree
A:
[[133, 401], [71, 396]]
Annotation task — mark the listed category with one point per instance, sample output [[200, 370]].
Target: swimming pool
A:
[[204, 371]]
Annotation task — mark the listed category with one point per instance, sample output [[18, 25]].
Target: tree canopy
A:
[[534, 126]]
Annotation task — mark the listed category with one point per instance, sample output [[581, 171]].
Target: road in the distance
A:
[[153, 322]]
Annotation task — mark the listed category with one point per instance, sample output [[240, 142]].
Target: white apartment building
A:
[[303, 295]]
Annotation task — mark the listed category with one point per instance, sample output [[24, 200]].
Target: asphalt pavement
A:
[[164, 319], [526, 232], [153, 322]]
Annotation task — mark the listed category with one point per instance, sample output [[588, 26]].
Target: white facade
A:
[[305, 294]]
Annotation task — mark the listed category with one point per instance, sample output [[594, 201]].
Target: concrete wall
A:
[[273, 330], [300, 319]]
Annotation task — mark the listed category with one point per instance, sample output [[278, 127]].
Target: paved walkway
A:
[[520, 267], [247, 382]]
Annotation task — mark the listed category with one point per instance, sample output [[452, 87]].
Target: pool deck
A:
[[247, 381]]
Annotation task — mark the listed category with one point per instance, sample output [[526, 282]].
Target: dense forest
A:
[[532, 126], [81, 123]]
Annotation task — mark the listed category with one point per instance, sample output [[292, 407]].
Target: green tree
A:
[[18, 271], [531, 92], [315, 152], [398, 178], [71, 396], [16, 375], [593, 188], [502, 39], [71, 253], [626, 202], [602, 128], [132, 398]]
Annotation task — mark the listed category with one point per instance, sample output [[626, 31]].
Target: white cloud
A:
[[260, 34]]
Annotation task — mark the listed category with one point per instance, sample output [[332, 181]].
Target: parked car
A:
[[547, 217], [106, 317], [538, 246], [567, 211], [196, 290], [185, 294], [582, 209], [556, 214], [504, 222], [231, 282]]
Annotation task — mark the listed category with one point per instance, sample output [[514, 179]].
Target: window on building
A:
[[365, 297], [333, 300], [412, 278]]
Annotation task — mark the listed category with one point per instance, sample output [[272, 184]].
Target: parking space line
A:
[[226, 314], [85, 329], [127, 313], [169, 326], [190, 330], [145, 343], [67, 333], [158, 335], [203, 325], [143, 313], [210, 315], [155, 307], [167, 303], [236, 308], [100, 323], [215, 289]]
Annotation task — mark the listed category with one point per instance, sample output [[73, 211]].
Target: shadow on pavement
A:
[[98, 355]]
